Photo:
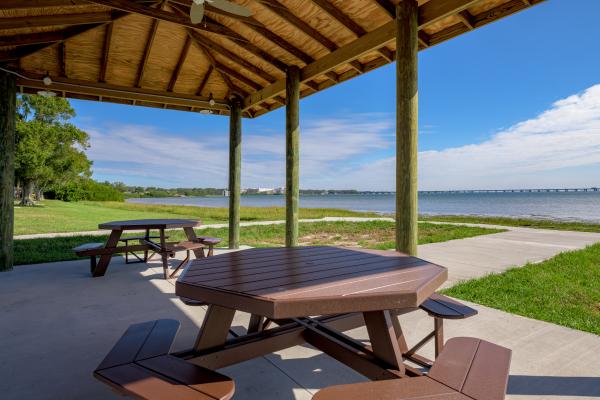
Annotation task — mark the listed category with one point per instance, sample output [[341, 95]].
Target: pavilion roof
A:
[[147, 52]]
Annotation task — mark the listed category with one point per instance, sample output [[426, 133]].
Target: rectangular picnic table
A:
[[118, 227], [314, 294]]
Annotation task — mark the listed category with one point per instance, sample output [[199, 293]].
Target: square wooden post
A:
[[7, 167], [292, 139], [407, 110], [235, 167]]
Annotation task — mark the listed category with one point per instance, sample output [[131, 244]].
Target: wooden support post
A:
[[292, 139], [235, 167], [407, 46], [7, 167]]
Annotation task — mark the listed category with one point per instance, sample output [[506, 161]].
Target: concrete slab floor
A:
[[58, 323]]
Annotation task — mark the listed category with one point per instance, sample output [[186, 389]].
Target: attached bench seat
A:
[[211, 242], [467, 369], [441, 307], [85, 250], [139, 365]]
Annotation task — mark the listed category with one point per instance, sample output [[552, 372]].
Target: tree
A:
[[50, 150]]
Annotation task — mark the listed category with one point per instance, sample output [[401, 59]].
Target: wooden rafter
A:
[[62, 59], [217, 48], [147, 50], [248, 46], [213, 62], [55, 20], [350, 24], [106, 51], [32, 38], [205, 80], [162, 15], [466, 18], [182, 57], [73, 86]]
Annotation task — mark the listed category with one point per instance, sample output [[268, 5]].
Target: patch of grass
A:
[[564, 290], [52, 216], [372, 234], [520, 222]]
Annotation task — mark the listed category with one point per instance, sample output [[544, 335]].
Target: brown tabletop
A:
[[343, 288], [150, 224], [303, 281]]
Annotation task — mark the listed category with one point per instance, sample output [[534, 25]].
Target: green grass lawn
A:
[[564, 290], [52, 216], [521, 222], [372, 234]]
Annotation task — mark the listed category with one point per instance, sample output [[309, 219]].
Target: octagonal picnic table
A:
[[118, 227], [313, 294]]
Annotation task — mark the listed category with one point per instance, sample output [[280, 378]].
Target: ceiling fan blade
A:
[[231, 7], [196, 13]]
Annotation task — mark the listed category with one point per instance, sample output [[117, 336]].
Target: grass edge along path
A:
[[563, 290], [370, 234], [53, 216], [517, 222]]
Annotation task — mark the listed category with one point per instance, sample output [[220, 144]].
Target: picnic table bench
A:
[[146, 243], [467, 369], [140, 365]]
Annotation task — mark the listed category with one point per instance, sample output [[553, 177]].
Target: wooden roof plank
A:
[[55, 20]]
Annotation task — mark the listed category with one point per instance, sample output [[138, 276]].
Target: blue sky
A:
[[512, 105]]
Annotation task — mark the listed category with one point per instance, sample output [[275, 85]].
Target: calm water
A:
[[564, 206]]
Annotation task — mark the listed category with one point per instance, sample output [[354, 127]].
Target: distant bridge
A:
[[594, 189]]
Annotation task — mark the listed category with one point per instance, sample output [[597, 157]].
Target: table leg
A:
[[255, 324], [215, 327], [384, 338], [102, 265], [191, 235], [164, 254]]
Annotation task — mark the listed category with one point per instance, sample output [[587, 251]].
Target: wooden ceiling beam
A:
[[162, 15], [242, 62], [233, 89], [121, 92], [214, 10], [32, 38], [432, 11], [205, 80], [283, 12], [105, 52], [351, 25], [147, 50], [182, 57], [55, 20], [23, 4]]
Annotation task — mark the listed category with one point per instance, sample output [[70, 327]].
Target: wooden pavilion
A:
[[148, 53]]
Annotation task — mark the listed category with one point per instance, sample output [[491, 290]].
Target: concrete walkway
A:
[[57, 324], [481, 255]]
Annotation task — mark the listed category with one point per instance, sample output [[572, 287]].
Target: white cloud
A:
[[560, 147], [145, 154]]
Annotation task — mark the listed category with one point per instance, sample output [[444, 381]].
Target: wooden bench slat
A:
[[486, 379], [211, 383], [159, 341], [147, 339], [126, 349], [444, 307], [88, 246], [467, 369], [143, 384], [405, 389]]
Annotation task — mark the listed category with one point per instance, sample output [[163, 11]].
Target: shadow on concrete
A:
[[584, 386]]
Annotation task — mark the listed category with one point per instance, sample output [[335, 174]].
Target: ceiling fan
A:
[[197, 10]]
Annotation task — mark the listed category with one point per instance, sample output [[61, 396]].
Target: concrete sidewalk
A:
[[57, 324], [481, 255]]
